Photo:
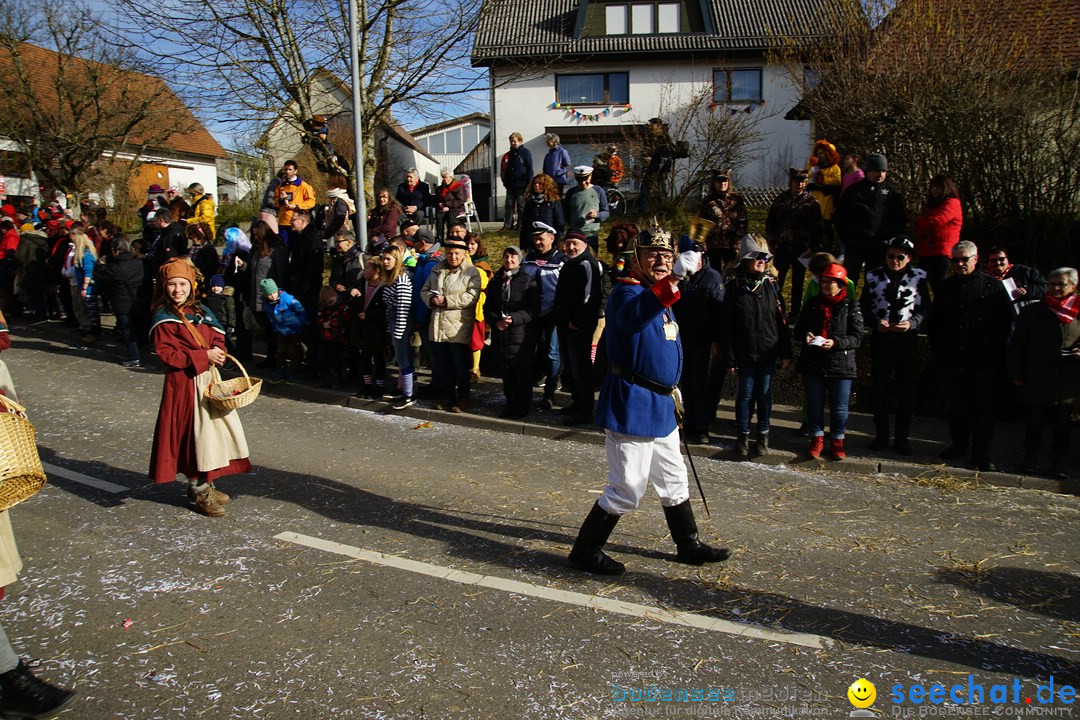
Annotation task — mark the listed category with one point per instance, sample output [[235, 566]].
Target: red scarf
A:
[[1066, 308], [827, 306]]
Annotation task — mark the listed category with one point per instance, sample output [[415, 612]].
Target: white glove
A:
[[686, 264]]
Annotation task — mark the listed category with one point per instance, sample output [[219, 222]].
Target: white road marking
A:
[[84, 479], [649, 612]]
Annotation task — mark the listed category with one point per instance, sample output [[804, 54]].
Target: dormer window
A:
[[643, 18]]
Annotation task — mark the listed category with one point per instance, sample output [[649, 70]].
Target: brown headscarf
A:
[[177, 267]]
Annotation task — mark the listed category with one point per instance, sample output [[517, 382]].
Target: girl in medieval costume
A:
[[192, 437]]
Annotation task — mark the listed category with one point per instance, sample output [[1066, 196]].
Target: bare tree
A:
[[73, 96], [987, 92], [255, 60], [714, 135]]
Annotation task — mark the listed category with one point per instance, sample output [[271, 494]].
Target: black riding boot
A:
[[683, 527], [588, 553], [24, 695]]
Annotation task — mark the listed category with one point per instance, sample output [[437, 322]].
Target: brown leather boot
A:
[[219, 495], [207, 504]]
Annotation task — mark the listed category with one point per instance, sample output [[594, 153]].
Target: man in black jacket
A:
[[578, 302], [968, 329], [1024, 284], [516, 172], [698, 315], [869, 213], [123, 281]]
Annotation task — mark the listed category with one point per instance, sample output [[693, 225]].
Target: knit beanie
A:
[[177, 268], [217, 281], [268, 287]]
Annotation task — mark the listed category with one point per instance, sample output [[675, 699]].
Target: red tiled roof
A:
[[43, 68], [1037, 34]]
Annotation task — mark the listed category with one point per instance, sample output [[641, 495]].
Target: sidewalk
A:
[[929, 435]]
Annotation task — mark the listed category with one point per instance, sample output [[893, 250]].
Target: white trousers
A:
[[634, 462]]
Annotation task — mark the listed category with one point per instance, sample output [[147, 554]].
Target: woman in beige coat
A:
[[451, 291], [22, 694]]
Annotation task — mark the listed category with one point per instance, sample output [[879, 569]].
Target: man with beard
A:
[[637, 410]]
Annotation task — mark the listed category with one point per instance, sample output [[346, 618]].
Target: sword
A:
[[677, 397]]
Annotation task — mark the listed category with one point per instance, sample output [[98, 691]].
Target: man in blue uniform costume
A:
[[637, 410]]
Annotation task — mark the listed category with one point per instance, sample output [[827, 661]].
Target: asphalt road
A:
[[370, 568]]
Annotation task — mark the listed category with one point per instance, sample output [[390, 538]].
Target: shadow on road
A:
[[472, 535], [1048, 593]]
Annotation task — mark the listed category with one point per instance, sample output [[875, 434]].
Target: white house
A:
[[396, 149], [587, 70]]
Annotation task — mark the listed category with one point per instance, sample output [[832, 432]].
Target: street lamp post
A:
[[358, 158]]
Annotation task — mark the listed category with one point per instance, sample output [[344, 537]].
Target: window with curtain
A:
[[737, 85], [616, 21], [667, 17], [641, 19], [597, 89]]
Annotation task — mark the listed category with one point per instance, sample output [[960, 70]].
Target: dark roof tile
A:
[[511, 29]]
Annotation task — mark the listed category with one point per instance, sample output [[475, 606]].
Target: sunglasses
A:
[[896, 256], [762, 257], [963, 260]]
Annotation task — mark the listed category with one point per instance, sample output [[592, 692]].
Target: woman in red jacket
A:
[[384, 217], [938, 228]]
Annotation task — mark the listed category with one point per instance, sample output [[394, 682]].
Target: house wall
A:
[[447, 159], [525, 105]]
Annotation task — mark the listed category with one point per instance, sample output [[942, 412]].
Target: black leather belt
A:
[[641, 381]]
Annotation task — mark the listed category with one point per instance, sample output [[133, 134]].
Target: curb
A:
[[869, 466]]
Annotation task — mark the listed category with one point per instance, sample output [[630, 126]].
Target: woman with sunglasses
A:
[[754, 340]]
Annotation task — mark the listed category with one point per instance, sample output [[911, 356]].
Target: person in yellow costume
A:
[[825, 179]]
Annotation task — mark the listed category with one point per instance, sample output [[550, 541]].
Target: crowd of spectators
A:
[[424, 290]]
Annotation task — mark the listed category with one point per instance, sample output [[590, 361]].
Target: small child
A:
[[204, 444], [221, 302], [288, 320], [333, 322], [369, 331]]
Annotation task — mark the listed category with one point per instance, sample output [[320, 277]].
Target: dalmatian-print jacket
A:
[[905, 298]]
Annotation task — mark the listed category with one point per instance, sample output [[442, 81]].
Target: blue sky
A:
[[472, 102]]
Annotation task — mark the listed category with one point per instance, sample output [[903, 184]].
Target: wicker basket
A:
[[236, 393], [21, 475]]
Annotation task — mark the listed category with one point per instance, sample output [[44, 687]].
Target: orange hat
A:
[[174, 268]]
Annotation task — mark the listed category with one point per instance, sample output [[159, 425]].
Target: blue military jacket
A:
[[642, 339]]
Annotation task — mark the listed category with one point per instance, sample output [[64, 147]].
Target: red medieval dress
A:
[[192, 437]]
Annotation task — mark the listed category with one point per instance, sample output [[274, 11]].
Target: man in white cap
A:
[[586, 206], [544, 262]]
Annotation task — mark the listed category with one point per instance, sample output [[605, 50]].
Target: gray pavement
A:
[[388, 566]]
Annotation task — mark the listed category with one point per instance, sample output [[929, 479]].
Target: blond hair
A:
[[82, 243]]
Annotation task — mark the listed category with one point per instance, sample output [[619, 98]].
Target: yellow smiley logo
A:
[[862, 693]]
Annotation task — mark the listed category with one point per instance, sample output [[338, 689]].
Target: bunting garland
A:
[[576, 114]]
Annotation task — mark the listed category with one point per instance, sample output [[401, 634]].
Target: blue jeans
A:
[[402, 352], [839, 390], [754, 381]]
